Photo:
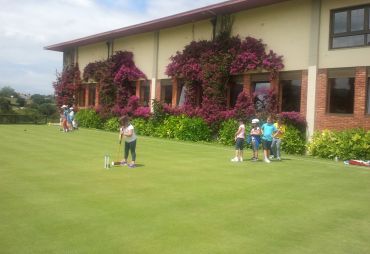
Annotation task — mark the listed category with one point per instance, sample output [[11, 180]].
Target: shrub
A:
[[348, 144], [184, 128], [143, 126], [295, 119], [112, 124], [88, 118], [294, 141], [227, 130]]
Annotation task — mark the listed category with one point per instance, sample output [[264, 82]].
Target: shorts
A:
[[266, 144], [239, 144]]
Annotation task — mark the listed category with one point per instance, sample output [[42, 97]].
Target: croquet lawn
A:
[[56, 197]]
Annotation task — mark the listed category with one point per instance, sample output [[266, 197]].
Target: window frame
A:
[[365, 32], [349, 73]]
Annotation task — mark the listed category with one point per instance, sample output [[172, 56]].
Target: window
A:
[[92, 95], [236, 88], [350, 27], [290, 87], [81, 97], [166, 91], [145, 92], [341, 95], [261, 89]]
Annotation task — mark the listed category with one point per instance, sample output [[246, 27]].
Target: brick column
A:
[[247, 87], [137, 90], [304, 83], [321, 99], [97, 96], [158, 90], [87, 96], [174, 92], [360, 93]]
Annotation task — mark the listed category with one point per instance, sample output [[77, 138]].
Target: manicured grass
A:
[[56, 197]]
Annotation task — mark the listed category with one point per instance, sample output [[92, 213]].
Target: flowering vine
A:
[[67, 85]]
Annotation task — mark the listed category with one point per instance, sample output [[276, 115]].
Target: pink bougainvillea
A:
[[66, 86]]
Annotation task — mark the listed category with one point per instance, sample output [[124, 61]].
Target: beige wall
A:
[[284, 27], [334, 58], [91, 53], [175, 39], [142, 46]]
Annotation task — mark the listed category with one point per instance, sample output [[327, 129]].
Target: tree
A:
[[38, 99], [47, 109], [5, 106], [7, 91], [21, 101]]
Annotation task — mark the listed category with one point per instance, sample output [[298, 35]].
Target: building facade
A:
[[324, 44]]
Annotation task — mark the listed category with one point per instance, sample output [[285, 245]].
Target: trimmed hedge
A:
[[88, 118]]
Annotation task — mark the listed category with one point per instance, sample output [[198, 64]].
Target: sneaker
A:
[[255, 159], [278, 158], [234, 159], [240, 159], [123, 163], [131, 165], [271, 157], [267, 160]]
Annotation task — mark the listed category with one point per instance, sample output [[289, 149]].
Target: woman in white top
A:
[[127, 130], [239, 142]]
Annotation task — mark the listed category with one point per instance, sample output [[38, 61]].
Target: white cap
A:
[[64, 106], [255, 120], [71, 108]]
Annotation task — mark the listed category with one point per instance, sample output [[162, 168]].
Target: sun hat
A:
[[64, 106], [255, 120]]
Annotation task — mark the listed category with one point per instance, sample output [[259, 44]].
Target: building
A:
[[324, 44]]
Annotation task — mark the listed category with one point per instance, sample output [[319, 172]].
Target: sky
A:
[[27, 26]]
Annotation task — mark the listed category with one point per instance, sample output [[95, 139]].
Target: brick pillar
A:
[[174, 92], [97, 96], [360, 93], [87, 96], [158, 90], [321, 99], [304, 83], [247, 87], [137, 90]]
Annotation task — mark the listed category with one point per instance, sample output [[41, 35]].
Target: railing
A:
[[22, 119]]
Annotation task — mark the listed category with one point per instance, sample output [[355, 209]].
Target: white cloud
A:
[[26, 26]]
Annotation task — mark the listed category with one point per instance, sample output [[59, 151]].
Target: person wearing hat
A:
[[255, 135], [65, 117]]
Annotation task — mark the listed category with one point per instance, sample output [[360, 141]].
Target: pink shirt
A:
[[242, 131]]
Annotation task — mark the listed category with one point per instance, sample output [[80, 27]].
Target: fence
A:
[[22, 119]]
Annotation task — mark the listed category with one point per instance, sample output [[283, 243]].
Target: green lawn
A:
[[56, 197]]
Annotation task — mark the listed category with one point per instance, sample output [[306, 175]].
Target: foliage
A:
[[211, 64], [47, 109], [88, 118], [159, 113], [66, 86], [295, 119], [7, 91], [142, 112], [347, 144], [115, 76], [244, 107], [294, 142], [5, 106], [184, 128], [265, 101], [112, 124], [143, 126], [226, 134]]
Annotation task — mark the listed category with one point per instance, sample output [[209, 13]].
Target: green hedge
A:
[[112, 124], [348, 144], [294, 141], [88, 118]]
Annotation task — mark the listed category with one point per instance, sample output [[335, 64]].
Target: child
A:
[[127, 130], [268, 130], [255, 134], [239, 142], [277, 137]]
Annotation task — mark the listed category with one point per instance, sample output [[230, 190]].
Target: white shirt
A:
[[126, 130]]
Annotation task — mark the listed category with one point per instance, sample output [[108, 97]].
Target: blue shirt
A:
[[268, 129]]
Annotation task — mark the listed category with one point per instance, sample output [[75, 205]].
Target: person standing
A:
[[278, 137], [268, 129], [239, 142], [255, 135], [127, 131]]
